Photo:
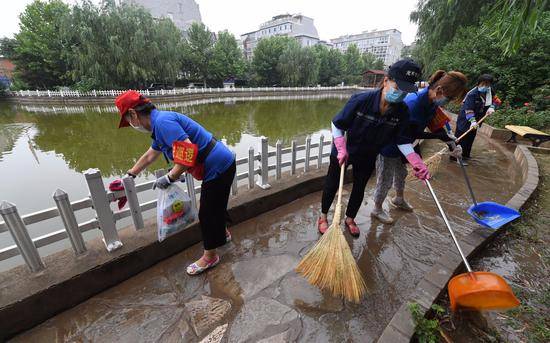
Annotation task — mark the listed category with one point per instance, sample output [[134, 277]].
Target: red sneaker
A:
[[322, 225], [352, 227]]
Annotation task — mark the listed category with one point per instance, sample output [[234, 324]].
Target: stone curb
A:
[[434, 283]]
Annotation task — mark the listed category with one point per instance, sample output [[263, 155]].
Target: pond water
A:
[[43, 148]]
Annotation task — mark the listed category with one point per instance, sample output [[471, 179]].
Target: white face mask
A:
[[139, 128]]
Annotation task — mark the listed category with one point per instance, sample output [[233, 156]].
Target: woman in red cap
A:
[[193, 150]]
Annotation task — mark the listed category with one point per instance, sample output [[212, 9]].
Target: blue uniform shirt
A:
[[169, 127], [369, 130], [421, 112]]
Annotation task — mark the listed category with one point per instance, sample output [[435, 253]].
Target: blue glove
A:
[[162, 182]]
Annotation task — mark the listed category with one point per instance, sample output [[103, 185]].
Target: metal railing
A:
[[169, 92], [253, 170]]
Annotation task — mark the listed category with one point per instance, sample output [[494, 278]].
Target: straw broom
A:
[[330, 265], [434, 161]]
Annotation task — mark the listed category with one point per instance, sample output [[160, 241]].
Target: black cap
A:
[[405, 73]]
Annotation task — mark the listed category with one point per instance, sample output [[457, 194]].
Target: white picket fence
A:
[[171, 92], [260, 167]]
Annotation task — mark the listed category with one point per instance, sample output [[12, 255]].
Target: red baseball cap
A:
[[127, 100]]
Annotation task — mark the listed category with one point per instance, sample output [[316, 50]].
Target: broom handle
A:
[[471, 129], [341, 185], [448, 226]]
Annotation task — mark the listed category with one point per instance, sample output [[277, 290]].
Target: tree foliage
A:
[[370, 61], [331, 65], [39, 52], [198, 51], [227, 58], [121, 47], [353, 65], [474, 52], [266, 59], [298, 66]]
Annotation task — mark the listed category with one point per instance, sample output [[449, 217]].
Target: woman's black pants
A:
[[362, 170]]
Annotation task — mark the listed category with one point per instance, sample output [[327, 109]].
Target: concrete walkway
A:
[[255, 296]]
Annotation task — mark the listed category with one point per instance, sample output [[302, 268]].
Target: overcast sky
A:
[[332, 18]]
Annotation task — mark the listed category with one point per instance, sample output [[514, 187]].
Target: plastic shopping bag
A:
[[174, 211]]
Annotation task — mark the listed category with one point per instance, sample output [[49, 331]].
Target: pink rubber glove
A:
[[340, 143], [420, 169]]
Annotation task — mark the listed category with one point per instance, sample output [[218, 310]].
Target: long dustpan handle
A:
[[448, 225], [467, 180]]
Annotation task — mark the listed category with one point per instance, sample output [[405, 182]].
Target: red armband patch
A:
[[439, 120], [185, 153]]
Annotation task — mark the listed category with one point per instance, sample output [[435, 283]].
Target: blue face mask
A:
[[395, 95], [483, 89], [442, 101]]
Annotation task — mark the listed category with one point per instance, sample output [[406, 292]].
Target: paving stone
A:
[[282, 337], [133, 325], [259, 273], [296, 291], [259, 315], [392, 335], [402, 320], [180, 332], [143, 289], [425, 293], [215, 336], [206, 313], [439, 275]]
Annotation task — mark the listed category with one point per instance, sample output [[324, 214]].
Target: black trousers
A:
[[362, 170], [213, 208], [467, 142]]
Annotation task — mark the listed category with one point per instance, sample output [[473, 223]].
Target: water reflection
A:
[[87, 137]]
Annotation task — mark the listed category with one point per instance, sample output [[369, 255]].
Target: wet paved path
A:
[[255, 296]]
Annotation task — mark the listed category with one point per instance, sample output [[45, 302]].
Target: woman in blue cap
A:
[[372, 120], [391, 169], [478, 102]]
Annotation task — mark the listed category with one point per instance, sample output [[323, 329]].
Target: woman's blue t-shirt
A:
[[169, 127]]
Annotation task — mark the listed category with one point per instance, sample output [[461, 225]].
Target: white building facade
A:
[[385, 45], [182, 12], [293, 25]]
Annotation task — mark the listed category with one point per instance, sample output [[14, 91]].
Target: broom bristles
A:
[[433, 163], [330, 265]]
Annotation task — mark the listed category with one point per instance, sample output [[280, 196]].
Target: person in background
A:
[[372, 120], [423, 108], [479, 101], [193, 150]]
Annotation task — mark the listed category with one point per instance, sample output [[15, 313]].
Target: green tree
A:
[[198, 51], [298, 66], [473, 52], [266, 58], [7, 47], [227, 59], [511, 19], [40, 50], [330, 65], [121, 46], [370, 61], [438, 22], [353, 65]]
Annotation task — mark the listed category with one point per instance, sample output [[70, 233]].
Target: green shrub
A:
[[541, 98], [426, 330], [525, 116]]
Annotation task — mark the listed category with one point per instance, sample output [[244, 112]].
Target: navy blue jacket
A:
[[473, 104], [368, 130]]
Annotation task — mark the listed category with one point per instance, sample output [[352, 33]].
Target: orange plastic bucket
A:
[[481, 291]]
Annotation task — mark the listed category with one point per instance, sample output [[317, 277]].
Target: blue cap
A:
[[405, 73]]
